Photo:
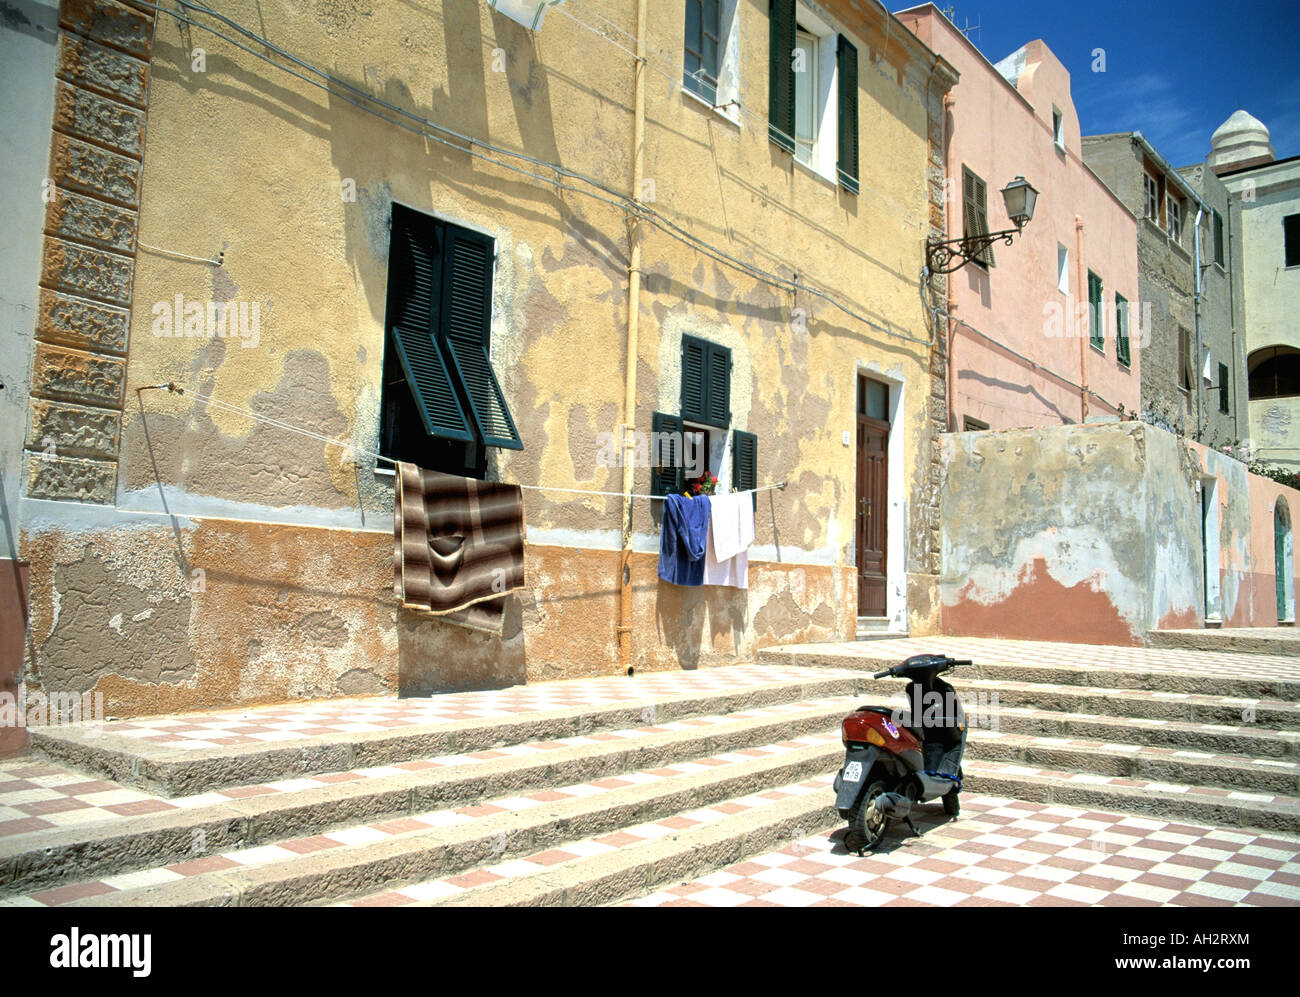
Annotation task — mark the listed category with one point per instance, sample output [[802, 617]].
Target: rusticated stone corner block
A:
[[86, 325], [75, 376], [102, 70], [74, 429], [78, 166], [90, 116], [86, 271], [88, 219], [73, 479], [108, 23]]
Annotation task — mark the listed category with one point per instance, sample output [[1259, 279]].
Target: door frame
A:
[[895, 493]]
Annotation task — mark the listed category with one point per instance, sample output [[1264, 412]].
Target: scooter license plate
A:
[[853, 772]]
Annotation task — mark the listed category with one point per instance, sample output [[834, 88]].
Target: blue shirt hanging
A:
[[681, 543]]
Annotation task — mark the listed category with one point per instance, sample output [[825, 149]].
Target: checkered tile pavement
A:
[[1003, 853], [381, 830], [1180, 661], [206, 730]]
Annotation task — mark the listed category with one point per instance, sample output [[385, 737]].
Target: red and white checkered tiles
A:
[[1001, 853], [218, 728]]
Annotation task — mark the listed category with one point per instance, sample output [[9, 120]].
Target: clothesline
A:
[[175, 388]]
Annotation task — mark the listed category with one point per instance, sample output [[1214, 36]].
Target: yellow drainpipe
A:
[[624, 629]]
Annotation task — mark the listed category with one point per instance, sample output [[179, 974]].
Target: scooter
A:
[[894, 759]]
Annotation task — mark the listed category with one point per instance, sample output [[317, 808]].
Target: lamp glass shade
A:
[[1020, 198]]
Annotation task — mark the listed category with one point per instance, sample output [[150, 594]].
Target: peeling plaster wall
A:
[[1093, 534], [246, 161]]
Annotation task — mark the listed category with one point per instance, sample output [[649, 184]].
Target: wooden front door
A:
[[872, 495]]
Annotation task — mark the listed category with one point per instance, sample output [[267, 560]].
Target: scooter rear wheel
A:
[[864, 835], [952, 803]]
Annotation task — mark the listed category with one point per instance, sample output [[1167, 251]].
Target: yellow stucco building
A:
[[595, 196]]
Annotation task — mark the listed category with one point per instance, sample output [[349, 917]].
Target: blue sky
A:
[[1174, 71]]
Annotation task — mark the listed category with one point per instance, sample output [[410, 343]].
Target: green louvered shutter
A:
[[695, 374], [465, 321], [666, 458], [780, 99], [744, 462], [413, 285], [847, 127], [717, 407]]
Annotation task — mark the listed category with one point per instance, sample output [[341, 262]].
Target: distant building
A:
[[1266, 212], [1193, 370], [1040, 330]]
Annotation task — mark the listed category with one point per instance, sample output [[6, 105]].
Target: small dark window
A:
[[1274, 372], [975, 213], [702, 60], [873, 399], [1219, 254], [973, 425], [1291, 235], [1223, 387], [1096, 318], [1121, 331], [1185, 359]]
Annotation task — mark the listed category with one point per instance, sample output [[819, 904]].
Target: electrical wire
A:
[[350, 447]]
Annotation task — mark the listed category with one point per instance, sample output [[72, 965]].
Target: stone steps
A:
[[1133, 703], [1251, 742], [604, 875], [597, 803], [447, 848], [1281, 640], [43, 859], [1177, 801], [1053, 671], [171, 772], [1140, 762]]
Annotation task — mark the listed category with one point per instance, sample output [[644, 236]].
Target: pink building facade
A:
[[1047, 331]]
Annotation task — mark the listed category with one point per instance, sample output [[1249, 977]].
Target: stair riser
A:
[[1224, 641], [190, 773], [1187, 771], [139, 847], [1199, 810], [1262, 744], [655, 873], [1156, 681], [424, 857], [1145, 709]]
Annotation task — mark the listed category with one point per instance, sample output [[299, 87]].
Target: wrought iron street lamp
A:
[[1019, 196]]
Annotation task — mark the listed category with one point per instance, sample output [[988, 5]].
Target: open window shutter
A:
[[414, 276], [666, 458], [847, 130], [695, 373], [780, 99], [718, 398], [465, 320], [744, 462]]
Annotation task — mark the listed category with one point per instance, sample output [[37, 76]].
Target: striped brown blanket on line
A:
[[459, 545]]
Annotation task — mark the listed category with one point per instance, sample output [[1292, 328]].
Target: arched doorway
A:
[[1284, 562]]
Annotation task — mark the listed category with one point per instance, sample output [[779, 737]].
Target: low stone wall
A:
[[1094, 534]]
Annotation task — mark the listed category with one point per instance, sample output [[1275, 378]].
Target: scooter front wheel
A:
[[866, 833]]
